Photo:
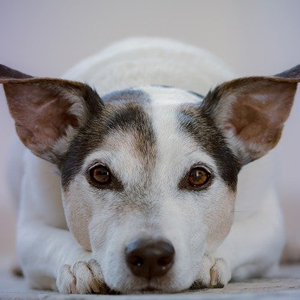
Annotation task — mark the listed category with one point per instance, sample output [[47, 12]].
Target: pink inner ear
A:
[[41, 117], [256, 127], [258, 117]]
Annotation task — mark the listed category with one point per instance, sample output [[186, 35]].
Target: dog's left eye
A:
[[100, 175], [198, 178]]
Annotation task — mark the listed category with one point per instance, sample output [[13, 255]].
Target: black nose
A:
[[149, 258]]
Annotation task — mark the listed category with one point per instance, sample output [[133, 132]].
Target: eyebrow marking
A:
[[131, 117], [194, 121]]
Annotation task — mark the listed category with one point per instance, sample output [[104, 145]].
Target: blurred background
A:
[[254, 37]]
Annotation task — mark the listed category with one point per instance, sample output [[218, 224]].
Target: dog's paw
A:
[[215, 272], [81, 278]]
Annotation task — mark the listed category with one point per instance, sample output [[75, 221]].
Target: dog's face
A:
[[149, 174], [148, 168]]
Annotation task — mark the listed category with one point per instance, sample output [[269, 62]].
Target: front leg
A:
[[252, 248], [83, 277], [52, 259], [215, 273]]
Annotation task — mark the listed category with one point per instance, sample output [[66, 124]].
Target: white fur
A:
[[47, 249]]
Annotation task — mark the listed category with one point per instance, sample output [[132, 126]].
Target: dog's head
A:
[[149, 174]]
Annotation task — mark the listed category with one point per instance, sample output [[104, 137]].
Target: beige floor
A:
[[285, 286]]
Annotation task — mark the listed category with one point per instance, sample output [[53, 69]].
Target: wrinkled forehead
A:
[[140, 129]]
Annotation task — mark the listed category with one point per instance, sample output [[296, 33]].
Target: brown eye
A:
[[198, 177], [100, 175]]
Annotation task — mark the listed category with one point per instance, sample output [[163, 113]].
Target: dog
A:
[[146, 171]]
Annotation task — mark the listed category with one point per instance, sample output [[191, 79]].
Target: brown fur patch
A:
[[130, 116]]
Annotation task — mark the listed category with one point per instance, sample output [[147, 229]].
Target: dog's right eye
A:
[[197, 179], [100, 175]]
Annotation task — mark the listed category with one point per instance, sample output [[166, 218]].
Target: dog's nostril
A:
[[149, 258], [164, 261], [135, 260]]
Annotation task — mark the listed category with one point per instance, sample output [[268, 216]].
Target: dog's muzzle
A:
[[149, 258]]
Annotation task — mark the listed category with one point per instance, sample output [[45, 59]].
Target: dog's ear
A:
[[47, 112], [251, 111]]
